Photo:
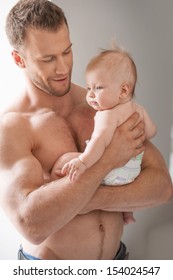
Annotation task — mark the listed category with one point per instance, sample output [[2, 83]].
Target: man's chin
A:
[[60, 93]]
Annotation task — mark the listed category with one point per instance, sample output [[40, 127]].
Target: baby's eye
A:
[[99, 88]]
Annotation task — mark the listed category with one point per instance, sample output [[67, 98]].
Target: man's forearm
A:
[[57, 203]]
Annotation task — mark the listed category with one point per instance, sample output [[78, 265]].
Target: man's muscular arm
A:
[[152, 187], [37, 209]]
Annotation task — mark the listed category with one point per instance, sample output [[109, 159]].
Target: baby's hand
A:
[[73, 168], [56, 174]]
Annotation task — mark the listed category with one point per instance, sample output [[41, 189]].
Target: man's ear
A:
[[18, 59], [125, 90]]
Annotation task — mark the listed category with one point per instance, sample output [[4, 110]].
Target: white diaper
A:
[[125, 174]]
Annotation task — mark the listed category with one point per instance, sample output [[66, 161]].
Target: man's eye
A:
[[49, 59], [67, 51]]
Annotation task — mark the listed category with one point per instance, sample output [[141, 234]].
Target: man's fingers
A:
[[134, 125], [131, 121], [139, 145], [139, 150], [138, 130], [140, 140]]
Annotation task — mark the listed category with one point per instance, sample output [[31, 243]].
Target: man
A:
[[63, 219]]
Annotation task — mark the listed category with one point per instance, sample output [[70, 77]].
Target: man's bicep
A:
[[20, 171], [21, 179]]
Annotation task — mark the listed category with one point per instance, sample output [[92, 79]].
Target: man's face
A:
[[48, 60]]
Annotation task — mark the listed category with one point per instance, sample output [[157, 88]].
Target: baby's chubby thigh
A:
[[56, 170]]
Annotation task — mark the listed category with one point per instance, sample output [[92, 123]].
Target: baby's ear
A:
[[125, 90]]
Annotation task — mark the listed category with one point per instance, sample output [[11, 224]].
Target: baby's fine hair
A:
[[39, 14], [116, 60]]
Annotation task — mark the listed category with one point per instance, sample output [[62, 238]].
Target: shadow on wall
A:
[[151, 238], [158, 247]]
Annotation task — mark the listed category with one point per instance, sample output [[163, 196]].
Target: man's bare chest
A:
[[55, 136]]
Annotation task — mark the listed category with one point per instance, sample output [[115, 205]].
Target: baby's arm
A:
[[104, 129]]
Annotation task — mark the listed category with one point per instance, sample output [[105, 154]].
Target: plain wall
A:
[[144, 28]]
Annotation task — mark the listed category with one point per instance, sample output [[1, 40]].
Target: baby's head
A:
[[112, 74]]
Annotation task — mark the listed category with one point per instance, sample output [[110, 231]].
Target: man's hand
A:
[[128, 142]]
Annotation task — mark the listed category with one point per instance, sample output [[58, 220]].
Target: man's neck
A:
[[31, 101], [36, 100]]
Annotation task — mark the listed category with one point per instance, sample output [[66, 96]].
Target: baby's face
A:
[[103, 91]]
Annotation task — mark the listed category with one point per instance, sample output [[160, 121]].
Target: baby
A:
[[111, 78]]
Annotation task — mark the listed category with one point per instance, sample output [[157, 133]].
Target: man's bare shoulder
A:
[[9, 119], [13, 123], [15, 138]]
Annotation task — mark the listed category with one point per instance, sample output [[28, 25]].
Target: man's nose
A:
[[61, 67]]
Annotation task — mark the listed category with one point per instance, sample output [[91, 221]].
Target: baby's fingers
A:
[[72, 173], [73, 176], [65, 168]]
